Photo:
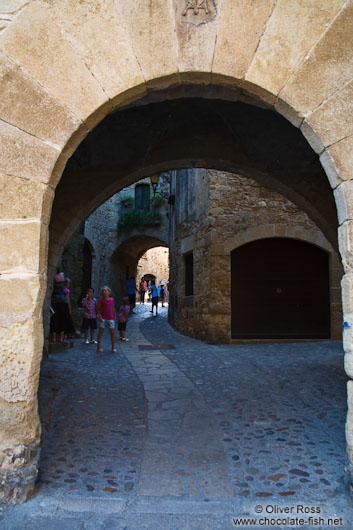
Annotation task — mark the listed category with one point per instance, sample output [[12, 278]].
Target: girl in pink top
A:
[[106, 316]]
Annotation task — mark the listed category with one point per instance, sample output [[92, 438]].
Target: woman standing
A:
[[142, 289], [59, 304]]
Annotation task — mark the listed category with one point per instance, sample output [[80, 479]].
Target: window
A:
[[142, 197], [189, 274]]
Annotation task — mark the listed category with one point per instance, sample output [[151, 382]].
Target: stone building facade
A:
[[230, 211], [96, 98], [113, 255]]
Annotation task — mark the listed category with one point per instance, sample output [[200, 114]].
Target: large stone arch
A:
[[66, 65]]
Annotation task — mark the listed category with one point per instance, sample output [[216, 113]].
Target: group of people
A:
[[154, 293], [103, 309], [148, 288]]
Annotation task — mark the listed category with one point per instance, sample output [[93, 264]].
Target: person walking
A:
[[107, 316], [89, 304], [142, 289], [154, 294], [123, 317], [162, 293]]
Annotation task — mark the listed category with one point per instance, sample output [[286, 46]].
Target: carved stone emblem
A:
[[196, 5], [197, 12]]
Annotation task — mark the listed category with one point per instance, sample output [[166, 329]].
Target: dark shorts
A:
[[121, 326], [132, 298], [89, 323], [155, 300]]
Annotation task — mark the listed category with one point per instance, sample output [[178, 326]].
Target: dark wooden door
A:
[[280, 289]]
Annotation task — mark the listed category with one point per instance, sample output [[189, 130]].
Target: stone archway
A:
[[66, 66], [315, 238], [123, 262]]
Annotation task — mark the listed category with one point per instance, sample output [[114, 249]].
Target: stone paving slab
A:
[[188, 437], [280, 409]]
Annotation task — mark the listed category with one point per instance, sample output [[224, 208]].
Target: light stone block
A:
[[11, 6], [35, 41], [195, 44], [20, 244], [98, 34], [333, 120], [348, 368], [292, 30], [330, 169], [345, 243], [240, 26], [151, 29], [26, 105], [19, 423], [25, 199], [344, 201], [22, 298], [313, 137], [19, 345], [341, 154], [348, 332], [187, 244], [347, 293], [326, 69], [288, 112], [23, 155], [349, 422]]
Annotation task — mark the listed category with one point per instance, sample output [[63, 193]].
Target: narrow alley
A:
[[174, 433]]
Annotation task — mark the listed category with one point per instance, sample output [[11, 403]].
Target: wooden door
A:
[[280, 289]]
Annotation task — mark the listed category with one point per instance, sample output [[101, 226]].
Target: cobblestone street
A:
[[173, 433]]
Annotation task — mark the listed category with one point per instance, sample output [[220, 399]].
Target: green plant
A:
[[157, 200], [127, 200], [138, 218]]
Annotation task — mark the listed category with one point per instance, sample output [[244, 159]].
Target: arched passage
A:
[[123, 262], [280, 290], [72, 75]]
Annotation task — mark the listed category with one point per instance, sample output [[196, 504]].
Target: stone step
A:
[[57, 347]]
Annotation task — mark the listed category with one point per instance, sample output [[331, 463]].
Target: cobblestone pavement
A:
[[173, 433]]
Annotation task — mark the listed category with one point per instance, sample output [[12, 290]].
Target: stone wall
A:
[[230, 210], [72, 264], [156, 262], [115, 256]]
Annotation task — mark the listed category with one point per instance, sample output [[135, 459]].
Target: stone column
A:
[[23, 240]]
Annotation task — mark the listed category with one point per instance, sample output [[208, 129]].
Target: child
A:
[[154, 293], [123, 317], [107, 316], [89, 304]]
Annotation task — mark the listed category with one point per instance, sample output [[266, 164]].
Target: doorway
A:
[[280, 289]]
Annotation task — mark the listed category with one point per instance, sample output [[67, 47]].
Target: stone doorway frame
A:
[[313, 237]]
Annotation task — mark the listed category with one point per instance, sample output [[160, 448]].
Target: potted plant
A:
[[127, 201]]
